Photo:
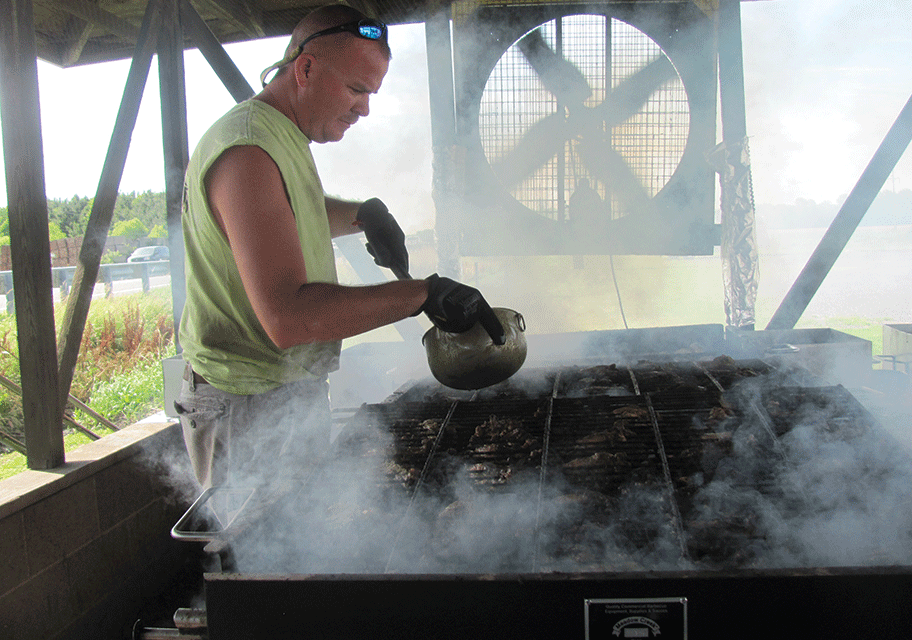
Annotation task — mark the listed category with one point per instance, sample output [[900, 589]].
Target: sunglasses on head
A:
[[367, 29]]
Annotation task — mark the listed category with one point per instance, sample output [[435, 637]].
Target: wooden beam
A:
[[107, 21], [73, 50], [237, 11], [199, 33], [12, 442], [30, 248], [96, 233], [175, 145]]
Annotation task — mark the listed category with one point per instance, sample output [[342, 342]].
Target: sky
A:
[[824, 81]]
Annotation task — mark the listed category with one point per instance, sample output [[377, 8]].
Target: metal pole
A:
[[846, 221], [175, 144], [739, 239], [447, 155]]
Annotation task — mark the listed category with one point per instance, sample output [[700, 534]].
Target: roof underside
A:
[[77, 32]]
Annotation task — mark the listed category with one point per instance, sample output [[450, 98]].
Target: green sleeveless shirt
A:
[[220, 334]]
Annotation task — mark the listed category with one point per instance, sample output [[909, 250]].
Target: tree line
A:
[[889, 208], [136, 215]]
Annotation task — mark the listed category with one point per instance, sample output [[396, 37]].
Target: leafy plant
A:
[[118, 373], [132, 228], [158, 231], [54, 232]]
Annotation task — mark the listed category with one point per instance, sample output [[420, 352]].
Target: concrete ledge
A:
[[28, 487]]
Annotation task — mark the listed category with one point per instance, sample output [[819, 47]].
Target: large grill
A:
[[514, 511]]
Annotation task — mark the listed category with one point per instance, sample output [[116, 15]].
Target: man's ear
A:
[[302, 67]]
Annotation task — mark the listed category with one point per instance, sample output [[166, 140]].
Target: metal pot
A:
[[471, 360]]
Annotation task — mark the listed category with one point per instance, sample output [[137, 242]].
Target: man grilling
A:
[[265, 315]]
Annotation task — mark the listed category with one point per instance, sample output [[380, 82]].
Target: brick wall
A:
[[84, 547]]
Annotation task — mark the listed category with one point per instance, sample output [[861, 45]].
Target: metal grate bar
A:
[[421, 478], [542, 477], [669, 490]]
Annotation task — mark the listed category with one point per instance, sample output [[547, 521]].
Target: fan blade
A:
[[632, 93], [608, 166], [541, 142], [560, 77]]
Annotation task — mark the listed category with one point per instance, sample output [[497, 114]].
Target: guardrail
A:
[[62, 277]]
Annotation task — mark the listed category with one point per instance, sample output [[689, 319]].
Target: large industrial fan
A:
[[588, 132]]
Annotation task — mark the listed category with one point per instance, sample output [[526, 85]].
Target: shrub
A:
[[118, 373]]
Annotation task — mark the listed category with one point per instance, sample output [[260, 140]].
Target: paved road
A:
[[121, 287]]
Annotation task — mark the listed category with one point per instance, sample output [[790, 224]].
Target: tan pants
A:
[[255, 440]]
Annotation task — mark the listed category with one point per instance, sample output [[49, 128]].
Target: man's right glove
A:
[[454, 307]]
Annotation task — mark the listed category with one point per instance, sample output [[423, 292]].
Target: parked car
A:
[[150, 254]]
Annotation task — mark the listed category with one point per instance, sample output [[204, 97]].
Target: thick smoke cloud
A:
[[832, 488]]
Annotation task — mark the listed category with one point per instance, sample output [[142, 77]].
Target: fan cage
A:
[[606, 50]]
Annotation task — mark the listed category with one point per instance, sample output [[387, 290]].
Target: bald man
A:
[[265, 316]]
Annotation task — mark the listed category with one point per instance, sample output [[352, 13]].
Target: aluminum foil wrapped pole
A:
[[739, 238]]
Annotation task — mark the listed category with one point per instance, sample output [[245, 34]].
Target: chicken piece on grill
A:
[[724, 362], [598, 460], [430, 426], [631, 411], [620, 432], [501, 435], [720, 413], [406, 476], [498, 447]]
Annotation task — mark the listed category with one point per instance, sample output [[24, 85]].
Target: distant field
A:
[[867, 287]]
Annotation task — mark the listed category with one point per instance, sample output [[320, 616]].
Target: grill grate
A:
[[583, 468]]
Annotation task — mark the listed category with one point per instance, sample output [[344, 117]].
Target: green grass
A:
[[15, 463], [118, 375]]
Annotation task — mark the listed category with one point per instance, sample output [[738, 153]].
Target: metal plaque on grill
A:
[[664, 618]]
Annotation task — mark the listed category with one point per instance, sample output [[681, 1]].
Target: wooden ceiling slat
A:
[[233, 20], [236, 11], [74, 49], [108, 21]]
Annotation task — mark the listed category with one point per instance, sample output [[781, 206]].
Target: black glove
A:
[[385, 239], [454, 307]]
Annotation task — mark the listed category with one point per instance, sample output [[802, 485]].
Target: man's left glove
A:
[[385, 239]]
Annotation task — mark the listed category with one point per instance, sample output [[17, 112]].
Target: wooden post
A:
[[144, 278], [175, 146], [77, 309], [199, 33], [30, 248]]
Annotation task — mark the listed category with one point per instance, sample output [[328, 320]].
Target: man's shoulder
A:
[[252, 122], [235, 127]]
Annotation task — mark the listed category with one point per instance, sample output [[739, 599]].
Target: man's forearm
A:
[[341, 215], [324, 312]]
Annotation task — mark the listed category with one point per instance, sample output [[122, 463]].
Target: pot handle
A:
[[520, 321]]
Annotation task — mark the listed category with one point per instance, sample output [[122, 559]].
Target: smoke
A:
[[833, 489], [862, 495], [796, 476]]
